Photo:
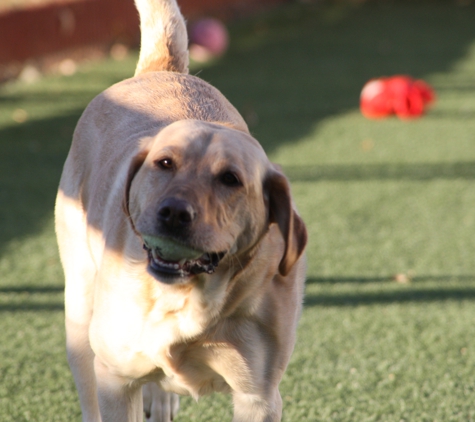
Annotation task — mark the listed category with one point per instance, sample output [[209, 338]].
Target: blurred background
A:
[[387, 331], [42, 34]]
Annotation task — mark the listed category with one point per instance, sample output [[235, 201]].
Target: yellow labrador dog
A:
[[182, 251]]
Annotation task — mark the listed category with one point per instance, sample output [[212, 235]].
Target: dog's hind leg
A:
[[159, 405], [164, 40]]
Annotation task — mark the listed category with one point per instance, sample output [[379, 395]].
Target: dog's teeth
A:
[[207, 263], [155, 255]]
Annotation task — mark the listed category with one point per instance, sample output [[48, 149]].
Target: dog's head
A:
[[201, 192]]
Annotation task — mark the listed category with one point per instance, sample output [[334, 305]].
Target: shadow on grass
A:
[[289, 71], [32, 289], [33, 307], [406, 294], [397, 171], [381, 298], [31, 160], [32, 298], [285, 72], [365, 280], [394, 293]]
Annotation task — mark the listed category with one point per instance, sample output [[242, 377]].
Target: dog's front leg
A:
[[81, 362], [255, 408], [119, 399]]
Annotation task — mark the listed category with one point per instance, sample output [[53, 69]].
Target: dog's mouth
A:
[[183, 267]]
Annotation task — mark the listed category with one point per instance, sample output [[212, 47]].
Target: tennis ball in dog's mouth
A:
[[169, 249]]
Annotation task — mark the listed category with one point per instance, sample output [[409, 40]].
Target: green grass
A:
[[379, 198]]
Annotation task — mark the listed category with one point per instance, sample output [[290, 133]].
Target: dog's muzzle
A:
[[206, 263]]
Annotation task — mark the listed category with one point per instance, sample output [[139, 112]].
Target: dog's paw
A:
[[159, 405]]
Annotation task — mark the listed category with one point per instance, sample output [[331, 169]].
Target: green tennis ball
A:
[[170, 250]]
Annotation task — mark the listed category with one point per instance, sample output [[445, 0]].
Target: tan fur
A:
[[232, 330], [164, 42]]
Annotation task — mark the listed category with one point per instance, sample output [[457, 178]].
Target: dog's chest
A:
[[189, 368], [166, 348], [136, 341]]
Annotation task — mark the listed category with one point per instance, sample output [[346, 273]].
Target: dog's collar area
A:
[[182, 268]]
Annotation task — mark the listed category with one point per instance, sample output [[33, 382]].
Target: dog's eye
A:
[[165, 163], [230, 179]]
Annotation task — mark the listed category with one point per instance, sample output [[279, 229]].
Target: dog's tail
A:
[[164, 40]]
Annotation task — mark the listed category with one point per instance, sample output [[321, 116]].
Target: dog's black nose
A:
[[176, 213]]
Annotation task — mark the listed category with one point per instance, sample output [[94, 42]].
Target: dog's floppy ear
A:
[[282, 212], [134, 167]]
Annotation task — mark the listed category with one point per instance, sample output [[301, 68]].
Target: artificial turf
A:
[[380, 198]]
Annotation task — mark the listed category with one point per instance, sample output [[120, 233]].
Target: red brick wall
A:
[[40, 31]]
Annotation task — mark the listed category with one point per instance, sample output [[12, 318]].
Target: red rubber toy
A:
[[402, 96]]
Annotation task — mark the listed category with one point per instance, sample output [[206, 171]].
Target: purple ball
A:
[[210, 34]]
